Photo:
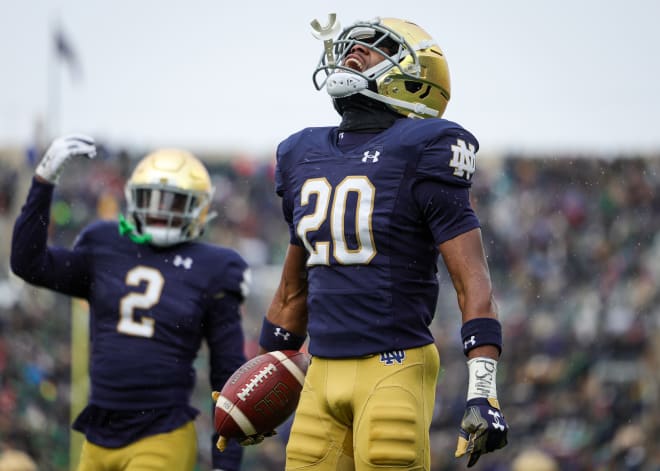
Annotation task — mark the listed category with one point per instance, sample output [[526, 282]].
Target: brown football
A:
[[261, 394]]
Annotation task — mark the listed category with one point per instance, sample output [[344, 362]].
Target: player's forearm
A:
[[474, 290], [488, 351], [468, 268], [285, 325], [288, 308], [479, 302]]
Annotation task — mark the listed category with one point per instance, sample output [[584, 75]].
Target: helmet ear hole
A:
[[413, 87]]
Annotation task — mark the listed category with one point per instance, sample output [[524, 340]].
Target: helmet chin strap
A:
[[343, 84], [417, 108]]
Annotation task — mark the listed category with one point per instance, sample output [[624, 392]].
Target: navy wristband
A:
[[273, 337], [481, 331]]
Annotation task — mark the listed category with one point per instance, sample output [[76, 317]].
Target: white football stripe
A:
[[290, 365], [235, 413]]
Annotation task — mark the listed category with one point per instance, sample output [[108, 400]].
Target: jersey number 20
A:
[[335, 202]]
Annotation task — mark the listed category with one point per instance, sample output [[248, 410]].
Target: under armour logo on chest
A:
[[186, 263], [371, 157]]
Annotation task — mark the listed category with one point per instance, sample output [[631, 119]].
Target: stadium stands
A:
[[574, 249]]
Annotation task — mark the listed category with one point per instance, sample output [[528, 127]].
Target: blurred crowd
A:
[[574, 251]]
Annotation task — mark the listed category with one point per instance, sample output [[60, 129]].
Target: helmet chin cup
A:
[[164, 236], [343, 84]]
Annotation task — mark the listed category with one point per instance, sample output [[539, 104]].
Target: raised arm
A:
[[31, 258]]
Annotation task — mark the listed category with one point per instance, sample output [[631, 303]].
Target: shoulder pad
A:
[[296, 147], [233, 273], [448, 153], [95, 232], [307, 137]]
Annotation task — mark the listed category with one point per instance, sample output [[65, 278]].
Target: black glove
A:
[[483, 429]]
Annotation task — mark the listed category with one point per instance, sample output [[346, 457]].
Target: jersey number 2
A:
[[154, 283], [319, 252]]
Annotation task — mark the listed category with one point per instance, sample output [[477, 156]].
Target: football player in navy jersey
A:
[[155, 293], [371, 204]]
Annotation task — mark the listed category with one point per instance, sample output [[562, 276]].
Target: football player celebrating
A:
[[155, 293], [371, 204]]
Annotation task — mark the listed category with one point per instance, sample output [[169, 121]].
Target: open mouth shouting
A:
[[354, 62]]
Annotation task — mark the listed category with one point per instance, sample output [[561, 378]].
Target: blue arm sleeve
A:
[[56, 268], [225, 338], [226, 344]]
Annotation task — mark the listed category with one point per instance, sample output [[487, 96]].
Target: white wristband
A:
[[482, 378]]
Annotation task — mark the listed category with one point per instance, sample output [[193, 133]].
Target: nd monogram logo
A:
[[395, 356], [463, 159], [370, 156]]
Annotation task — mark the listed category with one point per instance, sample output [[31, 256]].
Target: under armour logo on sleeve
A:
[[470, 342]]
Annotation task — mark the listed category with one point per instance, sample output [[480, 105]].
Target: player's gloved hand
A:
[[483, 429], [255, 439], [60, 152]]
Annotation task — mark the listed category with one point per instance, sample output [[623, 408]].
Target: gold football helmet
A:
[[413, 79], [168, 197]]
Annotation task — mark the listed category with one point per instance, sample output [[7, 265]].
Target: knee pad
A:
[[391, 430]]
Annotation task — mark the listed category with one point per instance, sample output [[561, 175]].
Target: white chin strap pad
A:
[[343, 84]]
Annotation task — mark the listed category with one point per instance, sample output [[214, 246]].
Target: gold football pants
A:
[[175, 450], [366, 414]]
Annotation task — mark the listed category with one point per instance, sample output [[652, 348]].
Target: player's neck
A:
[[361, 114]]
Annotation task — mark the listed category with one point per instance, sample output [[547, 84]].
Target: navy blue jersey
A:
[[150, 308], [371, 219]]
